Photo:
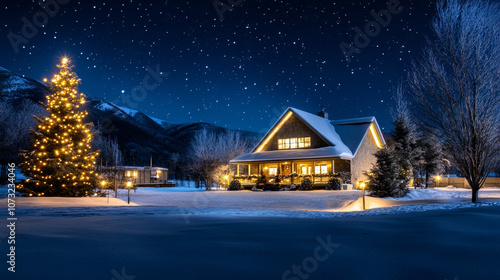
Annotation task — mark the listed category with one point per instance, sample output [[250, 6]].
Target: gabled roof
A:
[[353, 131], [318, 124], [344, 136]]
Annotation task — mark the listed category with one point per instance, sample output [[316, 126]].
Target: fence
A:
[[462, 183]]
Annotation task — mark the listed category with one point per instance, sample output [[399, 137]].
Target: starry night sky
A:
[[241, 72]]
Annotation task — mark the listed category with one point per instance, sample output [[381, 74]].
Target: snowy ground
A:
[[451, 244], [188, 201], [186, 233]]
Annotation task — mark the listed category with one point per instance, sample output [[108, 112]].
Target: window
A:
[[273, 171], [321, 169], [294, 143], [304, 170], [324, 169]]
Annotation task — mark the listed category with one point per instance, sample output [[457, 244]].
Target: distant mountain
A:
[[15, 88], [138, 134]]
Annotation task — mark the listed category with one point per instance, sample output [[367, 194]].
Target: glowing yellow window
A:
[[324, 169], [307, 142]]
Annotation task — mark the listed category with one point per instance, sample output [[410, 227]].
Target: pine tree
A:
[[384, 177], [60, 161], [404, 137]]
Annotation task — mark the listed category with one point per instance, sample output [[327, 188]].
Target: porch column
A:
[[333, 166], [249, 165], [314, 172], [260, 169], [237, 169]]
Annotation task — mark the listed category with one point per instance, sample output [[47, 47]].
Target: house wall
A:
[[364, 159], [294, 127], [341, 165]]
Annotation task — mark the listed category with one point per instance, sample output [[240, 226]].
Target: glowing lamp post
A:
[[103, 184], [438, 178], [363, 185], [129, 186], [226, 180]]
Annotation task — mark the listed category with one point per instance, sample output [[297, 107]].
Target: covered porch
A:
[[287, 172]]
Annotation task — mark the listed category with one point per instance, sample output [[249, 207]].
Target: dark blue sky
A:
[[239, 72]]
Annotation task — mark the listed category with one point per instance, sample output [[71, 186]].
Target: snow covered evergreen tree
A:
[[60, 161], [385, 176], [404, 138]]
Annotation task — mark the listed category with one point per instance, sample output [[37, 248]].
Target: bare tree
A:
[[456, 84], [15, 130], [111, 156], [210, 152]]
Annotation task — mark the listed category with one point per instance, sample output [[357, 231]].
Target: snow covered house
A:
[[303, 145]]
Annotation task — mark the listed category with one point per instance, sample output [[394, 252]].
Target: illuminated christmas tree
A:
[[61, 161]]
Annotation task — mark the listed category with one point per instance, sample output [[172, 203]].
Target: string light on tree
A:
[[61, 160]]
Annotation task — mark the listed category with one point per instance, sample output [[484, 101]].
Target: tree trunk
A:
[[475, 191]]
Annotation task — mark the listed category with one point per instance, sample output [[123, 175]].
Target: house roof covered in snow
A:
[[325, 152], [344, 136], [353, 131]]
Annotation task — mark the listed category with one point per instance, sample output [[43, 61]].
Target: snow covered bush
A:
[[345, 177], [306, 185], [235, 185], [333, 184]]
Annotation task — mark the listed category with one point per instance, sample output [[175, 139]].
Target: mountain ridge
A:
[[139, 136]]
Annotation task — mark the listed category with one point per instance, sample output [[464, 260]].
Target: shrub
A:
[[306, 185], [345, 177], [235, 185], [333, 184]]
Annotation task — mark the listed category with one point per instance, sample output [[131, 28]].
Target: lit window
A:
[[317, 170], [128, 173], [324, 169], [304, 170], [273, 171], [294, 143], [301, 142]]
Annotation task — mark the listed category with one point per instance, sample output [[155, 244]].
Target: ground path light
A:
[[129, 186], [103, 184], [362, 185]]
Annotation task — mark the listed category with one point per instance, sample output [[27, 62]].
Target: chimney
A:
[[323, 114]]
